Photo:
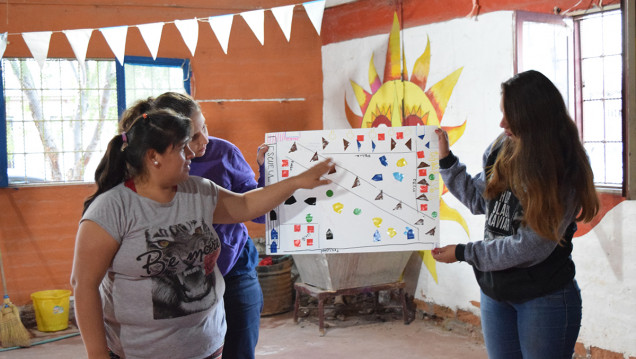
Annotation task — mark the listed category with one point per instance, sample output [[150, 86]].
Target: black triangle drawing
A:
[[293, 148], [422, 197], [311, 201], [324, 143], [290, 200]]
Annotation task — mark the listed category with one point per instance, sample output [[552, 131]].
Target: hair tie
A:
[[125, 139]]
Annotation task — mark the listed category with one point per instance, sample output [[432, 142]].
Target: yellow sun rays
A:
[[397, 101]]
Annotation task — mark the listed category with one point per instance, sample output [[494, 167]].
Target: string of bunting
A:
[[38, 42]]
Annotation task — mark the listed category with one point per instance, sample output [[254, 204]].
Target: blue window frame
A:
[[123, 89], [132, 81]]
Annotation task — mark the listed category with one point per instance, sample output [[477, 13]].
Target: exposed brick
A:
[[468, 317], [423, 306], [443, 312], [580, 351], [598, 353]]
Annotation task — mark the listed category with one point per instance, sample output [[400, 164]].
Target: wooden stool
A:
[[322, 294]]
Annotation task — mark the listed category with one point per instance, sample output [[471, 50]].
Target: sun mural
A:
[[397, 101]]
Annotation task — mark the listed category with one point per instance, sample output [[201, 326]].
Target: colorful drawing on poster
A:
[[383, 196]]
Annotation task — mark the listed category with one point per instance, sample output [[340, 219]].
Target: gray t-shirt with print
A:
[[162, 296]]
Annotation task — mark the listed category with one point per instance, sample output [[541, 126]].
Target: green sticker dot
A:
[[434, 214], [431, 177], [357, 211], [329, 193], [309, 218]]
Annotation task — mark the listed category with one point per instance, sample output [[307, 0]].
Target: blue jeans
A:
[[544, 327], [243, 305]]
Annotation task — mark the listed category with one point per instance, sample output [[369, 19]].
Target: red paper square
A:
[[420, 154], [423, 189], [296, 227], [285, 173], [399, 135], [423, 207], [422, 172], [296, 242], [310, 241], [285, 163], [380, 136], [310, 229], [360, 138]]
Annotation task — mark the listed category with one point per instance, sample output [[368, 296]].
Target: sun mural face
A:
[[417, 109], [397, 102]]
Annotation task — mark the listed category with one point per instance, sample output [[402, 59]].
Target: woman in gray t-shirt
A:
[[145, 278]]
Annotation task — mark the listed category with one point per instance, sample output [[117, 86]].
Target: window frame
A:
[[4, 163], [148, 61], [578, 96], [120, 98]]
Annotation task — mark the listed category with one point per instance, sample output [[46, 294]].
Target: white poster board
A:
[[384, 194]]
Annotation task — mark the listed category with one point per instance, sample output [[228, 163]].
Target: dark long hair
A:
[[124, 157], [180, 103], [546, 157]]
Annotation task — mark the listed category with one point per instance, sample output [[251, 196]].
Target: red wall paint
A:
[[37, 233], [38, 224], [371, 17]]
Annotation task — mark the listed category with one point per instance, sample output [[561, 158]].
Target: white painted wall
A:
[[606, 272], [604, 257]]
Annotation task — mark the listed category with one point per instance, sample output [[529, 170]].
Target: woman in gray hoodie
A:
[[535, 185]]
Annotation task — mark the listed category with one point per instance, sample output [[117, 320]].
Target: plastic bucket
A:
[[51, 309]]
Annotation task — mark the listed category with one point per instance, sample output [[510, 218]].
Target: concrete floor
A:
[[280, 338]]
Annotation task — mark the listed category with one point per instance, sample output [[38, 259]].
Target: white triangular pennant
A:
[[38, 43], [221, 26], [3, 44], [284, 16], [79, 42], [152, 36], [116, 38], [189, 30], [314, 10], [256, 21]]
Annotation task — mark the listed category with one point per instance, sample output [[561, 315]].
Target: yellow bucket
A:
[[51, 309]]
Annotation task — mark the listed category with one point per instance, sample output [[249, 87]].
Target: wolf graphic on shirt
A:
[[181, 259]]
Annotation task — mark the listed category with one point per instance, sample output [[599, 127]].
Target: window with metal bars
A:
[[56, 120], [598, 93]]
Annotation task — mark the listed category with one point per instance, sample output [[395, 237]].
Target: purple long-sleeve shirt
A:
[[224, 164]]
